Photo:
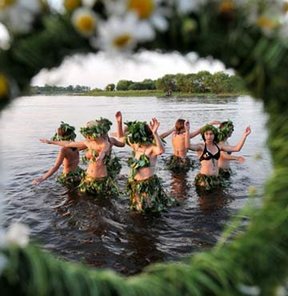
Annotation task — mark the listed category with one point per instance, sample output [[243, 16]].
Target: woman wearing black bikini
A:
[[209, 153]]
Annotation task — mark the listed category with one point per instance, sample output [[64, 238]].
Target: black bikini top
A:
[[207, 155]]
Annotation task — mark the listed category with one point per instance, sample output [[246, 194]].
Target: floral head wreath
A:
[[137, 132], [68, 131], [209, 127], [96, 128], [225, 129]]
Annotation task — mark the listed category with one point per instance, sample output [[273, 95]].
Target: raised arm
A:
[[166, 134], [52, 170], [79, 145], [119, 121], [187, 134], [229, 157], [158, 148], [198, 130], [240, 144], [116, 143]]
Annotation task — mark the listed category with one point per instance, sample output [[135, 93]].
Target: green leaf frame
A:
[[256, 260]]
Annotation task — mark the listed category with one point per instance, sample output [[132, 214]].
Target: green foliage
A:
[[110, 87], [99, 128], [123, 84], [65, 133], [137, 132]]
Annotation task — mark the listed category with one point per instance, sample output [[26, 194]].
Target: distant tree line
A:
[[201, 82], [53, 89]]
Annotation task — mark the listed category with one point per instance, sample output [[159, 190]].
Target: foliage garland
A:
[[96, 128], [245, 37], [137, 133], [68, 130]]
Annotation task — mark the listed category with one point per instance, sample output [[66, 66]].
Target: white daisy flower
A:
[[146, 10], [71, 5], [84, 21], [18, 15], [121, 34], [17, 234]]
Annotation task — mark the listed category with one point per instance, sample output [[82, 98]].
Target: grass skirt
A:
[[72, 179], [177, 164], [113, 166], [225, 173], [148, 195], [208, 182], [103, 187]]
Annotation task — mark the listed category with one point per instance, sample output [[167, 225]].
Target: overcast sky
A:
[[98, 70]]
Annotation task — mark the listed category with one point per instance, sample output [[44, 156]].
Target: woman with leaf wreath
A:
[[209, 154], [144, 187], [67, 156], [96, 179], [179, 161], [112, 161], [226, 129]]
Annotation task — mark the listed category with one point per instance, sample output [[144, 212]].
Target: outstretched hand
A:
[[118, 116], [45, 141], [37, 181], [240, 159], [154, 125]]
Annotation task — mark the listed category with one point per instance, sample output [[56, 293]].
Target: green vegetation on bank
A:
[[203, 83]]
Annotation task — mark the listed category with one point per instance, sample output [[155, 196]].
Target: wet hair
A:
[[179, 125], [213, 129]]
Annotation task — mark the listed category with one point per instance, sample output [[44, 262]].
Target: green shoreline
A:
[[158, 94]]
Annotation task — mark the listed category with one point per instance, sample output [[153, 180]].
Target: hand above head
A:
[[214, 122], [187, 125], [247, 131], [118, 116], [45, 141], [154, 124]]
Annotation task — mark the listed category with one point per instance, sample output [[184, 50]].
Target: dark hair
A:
[[213, 129], [179, 125]]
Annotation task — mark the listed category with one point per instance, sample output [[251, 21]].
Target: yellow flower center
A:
[[85, 24], [144, 8], [226, 6], [285, 7], [265, 22], [4, 86], [122, 40], [6, 3], [70, 5]]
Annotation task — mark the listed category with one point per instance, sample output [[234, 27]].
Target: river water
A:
[[104, 233]]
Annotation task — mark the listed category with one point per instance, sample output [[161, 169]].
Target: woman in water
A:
[[179, 161], [144, 187], [209, 154], [96, 179], [226, 129], [68, 156]]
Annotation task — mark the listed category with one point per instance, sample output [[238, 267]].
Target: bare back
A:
[[178, 143], [71, 159]]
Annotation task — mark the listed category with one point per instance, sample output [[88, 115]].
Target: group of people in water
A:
[[144, 187]]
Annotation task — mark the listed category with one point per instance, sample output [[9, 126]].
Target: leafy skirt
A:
[[103, 187], [148, 195], [177, 164], [113, 166], [225, 173], [72, 179], [208, 182]]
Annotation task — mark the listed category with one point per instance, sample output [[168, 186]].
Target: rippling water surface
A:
[[105, 233]]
